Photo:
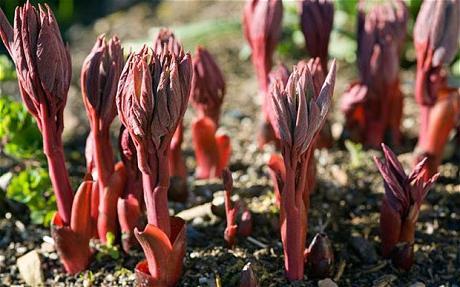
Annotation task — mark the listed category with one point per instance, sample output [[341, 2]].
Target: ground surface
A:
[[345, 204]]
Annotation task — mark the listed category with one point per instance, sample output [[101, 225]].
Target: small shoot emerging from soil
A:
[[316, 19], [262, 30], [373, 105], [298, 112], [212, 149], [44, 70], [167, 40], [152, 97], [436, 35], [400, 207], [99, 78]]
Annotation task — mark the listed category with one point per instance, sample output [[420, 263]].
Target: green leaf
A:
[[18, 130], [32, 187]]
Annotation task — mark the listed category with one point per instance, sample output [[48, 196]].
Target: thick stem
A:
[[156, 201], [54, 152], [103, 157], [155, 185], [293, 229]]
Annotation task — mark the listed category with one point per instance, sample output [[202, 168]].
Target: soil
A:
[[345, 204]]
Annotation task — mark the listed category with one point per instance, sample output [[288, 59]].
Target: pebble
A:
[[30, 268], [327, 283], [21, 250], [47, 247], [194, 212], [417, 284]]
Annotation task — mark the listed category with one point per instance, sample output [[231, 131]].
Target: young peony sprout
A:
[[212, 149], [262, 30], [381, 34], [436, 35], [400, 207], [99, 78], [152, 98], [208, 85], [298, 113], [316, 20], [44, 71], [178, 191]]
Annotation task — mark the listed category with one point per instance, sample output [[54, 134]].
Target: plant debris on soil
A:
[[345, 204]]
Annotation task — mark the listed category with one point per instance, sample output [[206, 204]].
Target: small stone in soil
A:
[[30, 268]]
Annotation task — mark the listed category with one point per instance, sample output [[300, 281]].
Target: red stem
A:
[[293, 224], [103, 157], [54, 151], [155, 187]]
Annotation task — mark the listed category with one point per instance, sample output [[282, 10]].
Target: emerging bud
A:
[[316, 19], [401, 205], [208, 85], [245, 223], [324, 139], [381, 34], [167, 40], [248, 277], [298, 113], [99, 77], [38, 51], [320, 256], [178, 183], [152, 98], [262, 30], [44, 70], [436, 34]]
